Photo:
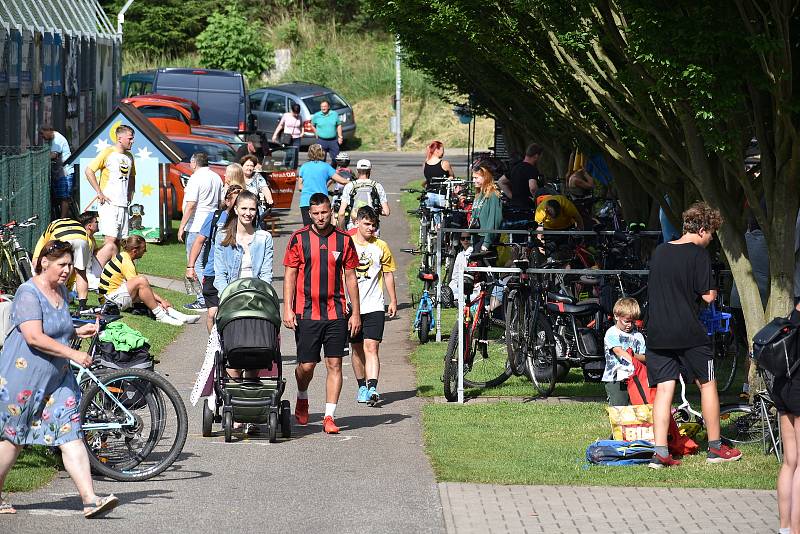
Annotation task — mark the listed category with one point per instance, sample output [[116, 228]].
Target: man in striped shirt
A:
[[79, 234], [320, 264]]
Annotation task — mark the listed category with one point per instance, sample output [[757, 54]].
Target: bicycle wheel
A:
[[726, 351], [740, 424], [138, 449], [424, 327], [540, 361], [9, 275], [450, 375], [516, 322], [485, 363]]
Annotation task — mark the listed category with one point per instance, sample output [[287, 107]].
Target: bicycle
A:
[[15, 261], [485, 358], [134, 421], [424, 320]]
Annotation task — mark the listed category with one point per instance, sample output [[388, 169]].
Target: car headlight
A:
[[184, 178]]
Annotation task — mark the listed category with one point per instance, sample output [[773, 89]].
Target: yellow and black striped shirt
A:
[[63, 230], [117, 270]]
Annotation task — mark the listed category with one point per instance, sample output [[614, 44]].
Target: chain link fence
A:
[[25, 189]]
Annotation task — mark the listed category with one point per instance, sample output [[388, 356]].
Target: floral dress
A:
[[39, 395]]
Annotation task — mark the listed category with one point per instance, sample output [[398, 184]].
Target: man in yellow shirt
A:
[[557, 212], [114, 190], [80, 234]]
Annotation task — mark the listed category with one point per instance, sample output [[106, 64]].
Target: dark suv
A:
[[269, 103]]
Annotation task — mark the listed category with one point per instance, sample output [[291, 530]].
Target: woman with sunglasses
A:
[[39, 396]]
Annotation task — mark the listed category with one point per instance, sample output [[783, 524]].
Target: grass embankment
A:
[[36, 466], [543, 443], [361, 68]]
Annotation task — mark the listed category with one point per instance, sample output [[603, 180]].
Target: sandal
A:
[[101, 507], [7, 508]]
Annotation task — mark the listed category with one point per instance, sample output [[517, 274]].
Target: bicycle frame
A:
[[129, 419], [425, 307]]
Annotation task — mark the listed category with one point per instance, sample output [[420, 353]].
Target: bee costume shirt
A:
[[117, 168], [374, 259]]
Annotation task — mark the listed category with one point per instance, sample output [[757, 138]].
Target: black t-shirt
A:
[[679, 274], [520, 175]]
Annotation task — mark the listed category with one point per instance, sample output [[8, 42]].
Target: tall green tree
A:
[[672, 92]]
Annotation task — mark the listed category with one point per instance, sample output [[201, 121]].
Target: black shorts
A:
[[210, 293], [371, 327], [785, 393], [311, 336], [694, 363]]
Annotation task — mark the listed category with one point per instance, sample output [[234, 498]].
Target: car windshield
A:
[[217, 152], [280, 159], [313, 102]]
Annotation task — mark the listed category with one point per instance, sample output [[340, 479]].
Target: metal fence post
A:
[[439, 284], [460, 319]]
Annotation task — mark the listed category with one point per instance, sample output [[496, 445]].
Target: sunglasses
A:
[[56, 246], [465, 239]]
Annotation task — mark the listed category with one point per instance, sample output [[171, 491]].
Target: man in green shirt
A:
[[328, 129]]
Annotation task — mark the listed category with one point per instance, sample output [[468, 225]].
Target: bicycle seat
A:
[[558, 297], [583, 307]]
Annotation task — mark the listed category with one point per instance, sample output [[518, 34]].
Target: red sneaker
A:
[[660, 461], [329, 426], [723, 454], [301, 412]]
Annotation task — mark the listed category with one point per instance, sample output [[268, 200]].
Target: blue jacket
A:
[[228, 260]]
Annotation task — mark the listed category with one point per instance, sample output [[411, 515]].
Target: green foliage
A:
[[232, 42], [288, 33]]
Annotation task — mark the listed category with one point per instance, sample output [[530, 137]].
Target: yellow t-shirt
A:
[[568, 216], [64, 230], [374, 259], [117, 169], [117, 270]]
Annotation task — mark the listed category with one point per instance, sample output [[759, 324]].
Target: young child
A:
[[622, 343]]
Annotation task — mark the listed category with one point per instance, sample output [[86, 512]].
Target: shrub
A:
[[288, 34], [231, 42]]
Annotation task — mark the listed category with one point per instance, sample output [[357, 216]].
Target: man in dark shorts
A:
[[324, 260], [680, 277]]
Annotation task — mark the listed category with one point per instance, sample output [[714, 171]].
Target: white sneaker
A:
[[185, 318], [166, 318]]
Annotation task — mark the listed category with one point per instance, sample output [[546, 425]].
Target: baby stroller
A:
[[248, 322]]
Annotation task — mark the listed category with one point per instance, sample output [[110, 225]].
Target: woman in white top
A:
[[292, 127]]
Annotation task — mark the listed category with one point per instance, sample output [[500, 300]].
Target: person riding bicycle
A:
[[363, 191]]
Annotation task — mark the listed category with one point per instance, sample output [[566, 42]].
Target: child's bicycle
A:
[[424, 320], [134, 421]]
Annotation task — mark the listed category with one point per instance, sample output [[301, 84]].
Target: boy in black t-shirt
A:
[[680, 278]]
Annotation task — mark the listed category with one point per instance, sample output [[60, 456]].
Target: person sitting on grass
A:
[[122, 285], [622, 343]]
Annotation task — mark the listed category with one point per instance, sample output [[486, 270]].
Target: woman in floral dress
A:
[[39, 395]]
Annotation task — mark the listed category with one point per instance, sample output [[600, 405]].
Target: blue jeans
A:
[[198, 264], [330, 146]]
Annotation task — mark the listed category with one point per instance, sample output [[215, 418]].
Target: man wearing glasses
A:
[[114, 190]]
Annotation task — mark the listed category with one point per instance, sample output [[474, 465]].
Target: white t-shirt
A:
[[204, 188], [374, 259], [246, 270], [617, 368], [59, 144]]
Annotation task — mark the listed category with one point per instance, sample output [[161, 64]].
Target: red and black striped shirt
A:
[[321, 261]]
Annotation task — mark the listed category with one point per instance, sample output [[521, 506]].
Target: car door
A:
[[274, 107], [257, 108]]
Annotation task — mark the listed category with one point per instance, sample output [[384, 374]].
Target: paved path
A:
[[374, 477]]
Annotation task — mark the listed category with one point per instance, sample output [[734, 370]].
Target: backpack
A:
[[775, 347], [364, 193], [209, 244], [614, 452]]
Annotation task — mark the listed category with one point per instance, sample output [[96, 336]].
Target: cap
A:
[[363, 165], [255, 139]]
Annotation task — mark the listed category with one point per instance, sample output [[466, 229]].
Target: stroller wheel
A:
[[273, 427], [286, 419], [208, 419], [227, 425]]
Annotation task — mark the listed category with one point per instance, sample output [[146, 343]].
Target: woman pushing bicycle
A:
[[39, 396]]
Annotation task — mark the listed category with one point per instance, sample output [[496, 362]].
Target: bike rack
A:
[[511, 270]]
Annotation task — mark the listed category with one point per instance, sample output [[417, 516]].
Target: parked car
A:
[[269, 103], [137, 83], [220, 94]]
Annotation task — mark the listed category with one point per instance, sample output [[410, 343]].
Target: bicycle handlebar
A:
[[27, 223]]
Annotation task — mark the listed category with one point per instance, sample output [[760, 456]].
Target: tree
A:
[[672, 92], [232, 42]]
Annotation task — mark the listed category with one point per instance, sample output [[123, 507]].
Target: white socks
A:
[[190, 319], [329, 409]]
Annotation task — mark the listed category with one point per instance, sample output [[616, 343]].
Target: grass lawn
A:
[[545, 442], [167, 259]]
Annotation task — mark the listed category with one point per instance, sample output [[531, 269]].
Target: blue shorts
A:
[[63, 186]]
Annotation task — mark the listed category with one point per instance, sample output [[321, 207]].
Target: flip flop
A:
[[7, 508], [101, 507]]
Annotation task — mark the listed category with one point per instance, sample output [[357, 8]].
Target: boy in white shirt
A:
[[622, 343], [375, 265]]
